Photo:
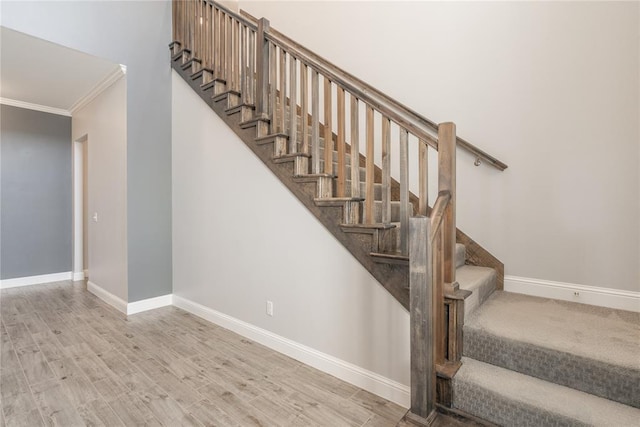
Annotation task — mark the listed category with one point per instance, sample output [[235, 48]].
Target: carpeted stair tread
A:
[[481, 281], [509, 398], [589, 348]]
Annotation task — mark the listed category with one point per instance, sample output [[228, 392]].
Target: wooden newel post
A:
[[447, 182], [423, 325], [262, 70]]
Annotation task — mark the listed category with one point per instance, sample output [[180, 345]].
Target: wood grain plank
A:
[[99, 413], [16, 398], [131, 410], [76, 385], [20, 335], [54, 405], [34, 364], [212, 416], [165, 379], [29, 419]]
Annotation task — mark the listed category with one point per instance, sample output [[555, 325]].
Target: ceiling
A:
[[36, 71]]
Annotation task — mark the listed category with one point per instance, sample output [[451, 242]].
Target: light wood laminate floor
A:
[[68, 359]]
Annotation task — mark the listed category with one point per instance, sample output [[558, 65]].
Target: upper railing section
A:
[[419, 125], [212, 24]]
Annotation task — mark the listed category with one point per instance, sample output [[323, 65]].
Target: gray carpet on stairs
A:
[[481, 281], [593, 349], [508, 398]]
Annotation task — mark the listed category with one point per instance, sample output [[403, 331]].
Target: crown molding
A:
[[36, 107], [103, 85]]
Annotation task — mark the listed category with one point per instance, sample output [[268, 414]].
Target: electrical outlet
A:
[[269, 308]]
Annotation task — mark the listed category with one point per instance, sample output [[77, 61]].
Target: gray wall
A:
[[136, 34], [36, 193]]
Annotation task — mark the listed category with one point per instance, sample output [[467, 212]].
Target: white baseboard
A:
[[370, 381], [604, 297], [132, 307], [106, 296], [78, 275], [35, 280], [149, 304]]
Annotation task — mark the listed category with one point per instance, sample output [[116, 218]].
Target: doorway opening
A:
[[81, 209]]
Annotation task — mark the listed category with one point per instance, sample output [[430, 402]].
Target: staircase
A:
[[330, 138]]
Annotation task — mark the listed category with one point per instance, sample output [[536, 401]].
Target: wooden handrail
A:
[[419, 125]]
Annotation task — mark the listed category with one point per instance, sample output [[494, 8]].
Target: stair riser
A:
[[594, 377], [363, 173], [395, 211]]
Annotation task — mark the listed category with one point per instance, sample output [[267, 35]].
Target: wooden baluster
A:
[[283, 91], [263, 70], [293, 113], [194, 20], [176, 20], [315, 121], [222, 44], [423, 177], [181, 23], [386, 170], [234, 54], [273, 88], [237, 70], [447, 182], [228, 51], [404, 191], [199, 7], [328, 133], [355, 148], [174, 9], [217, 48], [243, 63], [189, 21], [209, 36], [304, 107], [438, 296], [252, 69], [423, 329], [203, 33], [369, 182], [342, 166]]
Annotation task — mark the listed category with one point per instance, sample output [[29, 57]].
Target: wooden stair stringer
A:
[[394, 278]]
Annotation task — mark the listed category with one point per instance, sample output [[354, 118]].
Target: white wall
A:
[[550, 88], [104, 122], [241, 238]]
